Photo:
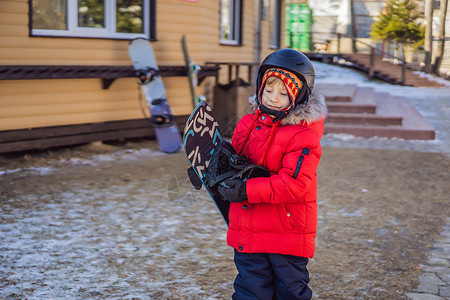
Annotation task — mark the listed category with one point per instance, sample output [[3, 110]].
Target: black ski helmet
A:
[[293, 61]]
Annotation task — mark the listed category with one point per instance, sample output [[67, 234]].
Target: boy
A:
[[273, 219]]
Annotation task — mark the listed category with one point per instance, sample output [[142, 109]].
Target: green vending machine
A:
[[298, 23]]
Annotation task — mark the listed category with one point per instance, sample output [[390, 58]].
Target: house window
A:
[[275, 23], [116, 19], [230, 22]]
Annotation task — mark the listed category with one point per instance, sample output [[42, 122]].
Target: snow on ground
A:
[[94, 160], [100, 227]]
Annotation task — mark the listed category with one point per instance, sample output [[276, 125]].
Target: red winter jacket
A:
[[280, 215]]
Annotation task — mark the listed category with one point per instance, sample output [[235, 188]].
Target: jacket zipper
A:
[[305, 151]]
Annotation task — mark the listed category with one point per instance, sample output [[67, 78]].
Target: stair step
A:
[[343, 107], [381, 131], [364, 95], [388, 105], [337, 93], [370, 113], [363, 119]]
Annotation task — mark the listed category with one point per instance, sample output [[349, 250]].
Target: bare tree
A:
[[441, 39]]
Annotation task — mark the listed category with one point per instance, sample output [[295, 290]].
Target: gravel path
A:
[[112, 222], [121, 222]]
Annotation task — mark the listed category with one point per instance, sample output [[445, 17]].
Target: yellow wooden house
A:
[[65, 73]]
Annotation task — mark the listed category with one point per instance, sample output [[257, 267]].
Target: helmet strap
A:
[[277, 114], [304, 99]]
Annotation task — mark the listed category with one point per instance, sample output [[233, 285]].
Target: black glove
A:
[[233, 190], [193, 177]]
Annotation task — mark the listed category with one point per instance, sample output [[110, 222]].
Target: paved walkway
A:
[[434, 283]]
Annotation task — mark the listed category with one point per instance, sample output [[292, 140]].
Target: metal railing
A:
[[373, 51]]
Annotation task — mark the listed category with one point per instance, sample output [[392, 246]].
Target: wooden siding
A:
[[67, 101], [37, 103]]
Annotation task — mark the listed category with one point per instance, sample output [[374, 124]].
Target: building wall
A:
[[37, 103], [326, 17], [365, 13]]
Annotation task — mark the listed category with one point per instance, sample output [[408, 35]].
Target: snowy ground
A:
[[121, 222]]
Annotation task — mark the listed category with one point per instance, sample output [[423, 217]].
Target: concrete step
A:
[[371, 114], [364, 95], [381, 131], [337, 93], [362, 101], [343, 107], [388, 105], [363, 119]]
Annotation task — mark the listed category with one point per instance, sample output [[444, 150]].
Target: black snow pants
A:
[[266, 276]]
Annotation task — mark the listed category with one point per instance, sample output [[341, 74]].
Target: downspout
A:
[[429, 8], [353, 31], [257, 46]]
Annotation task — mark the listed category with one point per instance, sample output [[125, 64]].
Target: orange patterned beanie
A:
[[292, 83]]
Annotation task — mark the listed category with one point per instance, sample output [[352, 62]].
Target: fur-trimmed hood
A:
[[314, 110]]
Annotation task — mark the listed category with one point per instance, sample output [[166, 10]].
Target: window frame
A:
[[236, 20], [109, 32]]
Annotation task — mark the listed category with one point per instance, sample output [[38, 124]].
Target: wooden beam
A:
[[107, 73], [46, 137]]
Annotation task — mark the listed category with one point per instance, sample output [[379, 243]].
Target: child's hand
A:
[[233, 190]]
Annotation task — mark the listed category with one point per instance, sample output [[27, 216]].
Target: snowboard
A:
[[192, 71], [144, 63], [212, 158]]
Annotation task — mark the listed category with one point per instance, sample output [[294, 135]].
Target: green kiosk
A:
[[298, 23]]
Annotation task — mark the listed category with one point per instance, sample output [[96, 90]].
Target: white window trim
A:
[[236, 24], [110, 24]]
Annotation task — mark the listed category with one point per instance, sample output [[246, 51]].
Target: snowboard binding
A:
[[226, 164], [162, 119], [239, 161], [146, 75]]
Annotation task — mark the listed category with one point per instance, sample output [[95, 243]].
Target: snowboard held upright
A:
[[144, 63], [212, 158]]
